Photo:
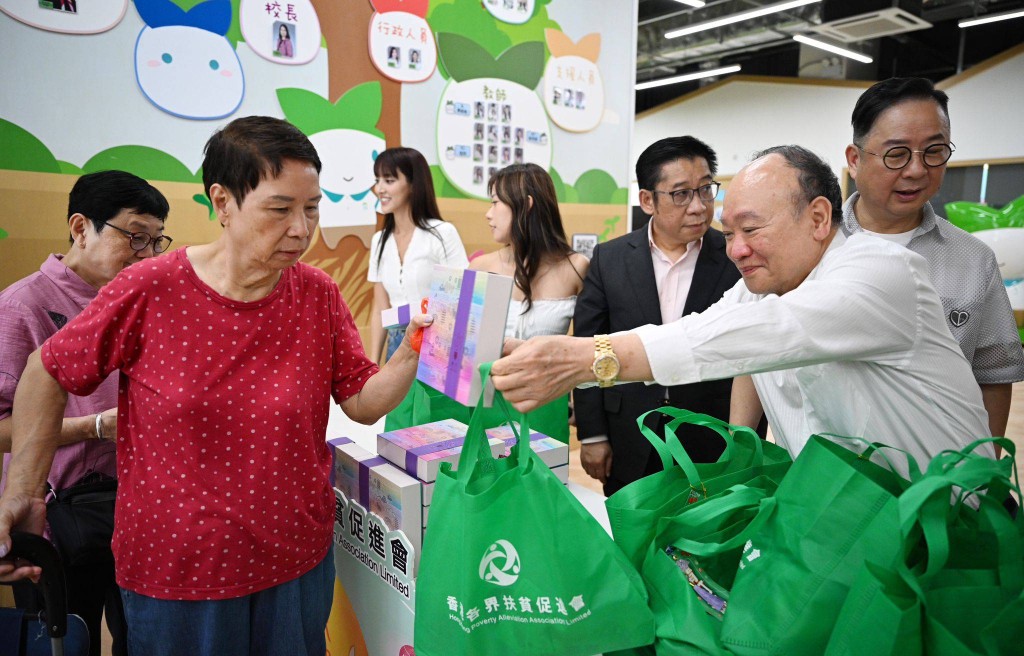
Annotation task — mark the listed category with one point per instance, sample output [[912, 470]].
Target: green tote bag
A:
[[834, 509], [635, 510], [424, 404], [692, 562], [513, 564], [958, 592]]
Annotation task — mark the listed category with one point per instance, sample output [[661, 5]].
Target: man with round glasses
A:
[[674, 266], [114, 219], [901, 143]]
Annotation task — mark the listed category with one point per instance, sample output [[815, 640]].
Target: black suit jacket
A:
[[620, 293]]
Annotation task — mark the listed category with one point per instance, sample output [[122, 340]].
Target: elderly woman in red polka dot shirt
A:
[[229, 355]]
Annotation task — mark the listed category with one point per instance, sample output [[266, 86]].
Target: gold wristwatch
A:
[[606, 365]]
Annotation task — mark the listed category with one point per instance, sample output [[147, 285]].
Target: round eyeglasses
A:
[[140, 240], [683, 197], [898, 157]]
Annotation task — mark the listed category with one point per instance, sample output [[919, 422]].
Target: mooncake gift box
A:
[[380, 487], [420, 450], [554, 453], [396, 317], [469, 309]]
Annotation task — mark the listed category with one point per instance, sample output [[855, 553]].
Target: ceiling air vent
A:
[[871, 25]]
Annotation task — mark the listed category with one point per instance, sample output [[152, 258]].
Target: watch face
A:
[[606, 368]]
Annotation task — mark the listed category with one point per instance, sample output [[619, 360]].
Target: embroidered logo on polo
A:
[[500, 565], [959, 317], [59, 320]]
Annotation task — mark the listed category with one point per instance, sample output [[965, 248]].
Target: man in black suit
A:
[[672, 267]]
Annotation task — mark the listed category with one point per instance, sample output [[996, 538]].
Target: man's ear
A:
[[222, 202], [77, 225], [821, 217], [647, 202], [852, 160]]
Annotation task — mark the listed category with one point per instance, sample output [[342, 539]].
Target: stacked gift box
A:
[[381, 488], [420, 450], [554, 453], [398, 484]]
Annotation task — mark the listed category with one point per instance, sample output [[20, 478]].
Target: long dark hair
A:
[[413, 166], [537, 232]]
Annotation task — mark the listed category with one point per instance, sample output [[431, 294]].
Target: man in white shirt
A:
[[843, 334]]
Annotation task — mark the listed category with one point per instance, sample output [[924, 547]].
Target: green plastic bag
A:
[[513, 563], [692, 562], [635, 510], [424, 404], [834, 509]]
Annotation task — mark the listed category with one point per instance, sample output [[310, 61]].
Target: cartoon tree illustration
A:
[[348, 142], [491, 104]]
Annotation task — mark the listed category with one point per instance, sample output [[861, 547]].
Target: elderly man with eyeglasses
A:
[[114, 219], [840, 334], [674, 266], [901, 143]]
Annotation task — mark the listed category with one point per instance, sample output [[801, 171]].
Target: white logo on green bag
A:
[[500, 564], [750, 554]]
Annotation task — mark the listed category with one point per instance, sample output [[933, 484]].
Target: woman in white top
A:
[[413, 240], [548, 274]]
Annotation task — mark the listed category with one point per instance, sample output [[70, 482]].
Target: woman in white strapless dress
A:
[[548, 274]]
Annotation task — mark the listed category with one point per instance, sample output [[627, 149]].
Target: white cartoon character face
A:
[[189, 72], [347, 177], [184, 64]]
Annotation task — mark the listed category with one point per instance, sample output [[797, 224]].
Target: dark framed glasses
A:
[[683, 197], [898, 157], [140, 240]]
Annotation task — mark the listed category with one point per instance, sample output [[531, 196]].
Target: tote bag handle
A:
[[927, 504], [672, 449], [476, 453]]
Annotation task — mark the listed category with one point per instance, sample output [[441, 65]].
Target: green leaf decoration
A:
[[442, 187], [523, 63], [143, 161], [22, 151], [620, 197], [358, 109], [596, 186], [67, 168], [464, 59], [3, 234], [556, 179], [973, 217], [205, 202], [609, 225], [470, 19]]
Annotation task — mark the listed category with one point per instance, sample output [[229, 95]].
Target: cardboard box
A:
[[553, 452], [420, 450], [469, 309], [396, 317], [380, 487]]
